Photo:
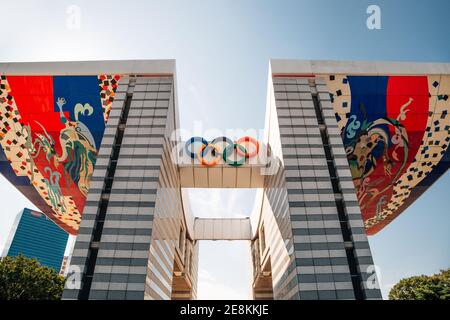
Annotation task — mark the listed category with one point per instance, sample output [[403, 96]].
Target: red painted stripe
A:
[[34, 98], [400, 90]]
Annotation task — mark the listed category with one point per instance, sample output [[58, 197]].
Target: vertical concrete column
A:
[[129, 199]]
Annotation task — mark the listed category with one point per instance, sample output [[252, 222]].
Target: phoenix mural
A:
[[396, 132], [51, 128]]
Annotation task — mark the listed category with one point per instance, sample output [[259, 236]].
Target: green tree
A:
[[25, 279], [435, 287]]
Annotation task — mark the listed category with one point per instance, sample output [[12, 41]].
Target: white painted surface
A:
[[89, 67], [280, 66]]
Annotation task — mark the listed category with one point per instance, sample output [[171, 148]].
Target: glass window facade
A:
[[36, 236]]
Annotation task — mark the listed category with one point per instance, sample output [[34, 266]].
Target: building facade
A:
[[315, 242], [347, 147], [36, 236]]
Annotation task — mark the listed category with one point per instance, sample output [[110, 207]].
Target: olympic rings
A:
[[222, 139], [251, 140], [191, 141], [200, 155], [226, 152]]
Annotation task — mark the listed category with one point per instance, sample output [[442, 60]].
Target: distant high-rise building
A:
[[36, 236]]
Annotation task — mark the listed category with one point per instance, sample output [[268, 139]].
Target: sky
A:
[[222, 49]]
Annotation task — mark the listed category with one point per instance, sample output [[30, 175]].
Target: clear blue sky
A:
[[222, 50]]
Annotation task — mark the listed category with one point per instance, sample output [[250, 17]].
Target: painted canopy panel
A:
[[396, 132], [51, 128]]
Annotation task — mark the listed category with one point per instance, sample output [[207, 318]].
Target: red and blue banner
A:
[[51, 128], [395, 131]]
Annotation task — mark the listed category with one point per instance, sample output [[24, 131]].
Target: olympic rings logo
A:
[[234, 153]]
